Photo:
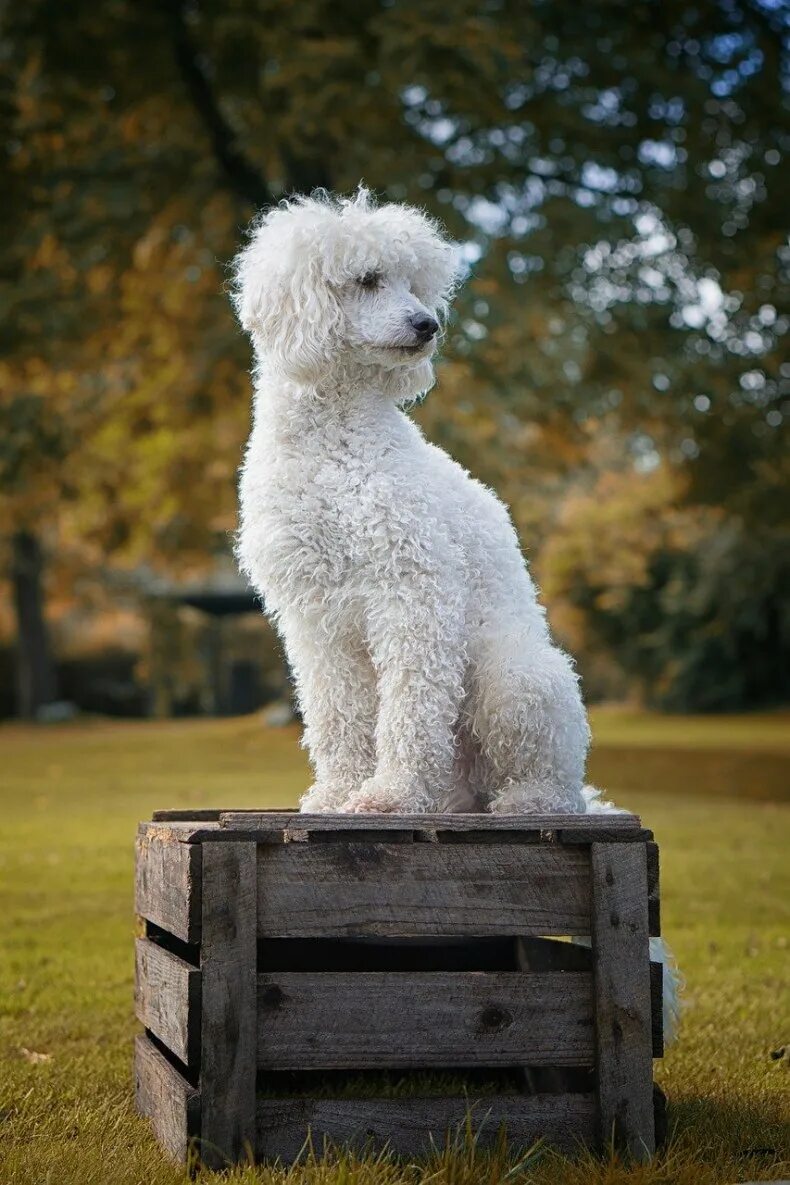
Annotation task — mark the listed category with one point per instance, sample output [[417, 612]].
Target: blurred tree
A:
[[685, 603], [615, 169]]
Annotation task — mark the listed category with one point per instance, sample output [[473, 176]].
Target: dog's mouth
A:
[[411, 350]]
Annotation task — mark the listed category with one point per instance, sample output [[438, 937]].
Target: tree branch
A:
[[240, 174]]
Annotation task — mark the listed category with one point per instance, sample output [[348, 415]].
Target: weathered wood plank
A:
[[414, 890], [187, 815], [621, 963], [431, 835], [594, 831], [411, 1127], [360, 1020], [549, 954], [166, 1099], [228, 1025], [284, 820], [657, 1009], [653, 891], [167, 882], [355, 836], [196, 831], [167, 999]]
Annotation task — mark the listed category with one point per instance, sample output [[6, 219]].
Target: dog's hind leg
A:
[[531, 727]]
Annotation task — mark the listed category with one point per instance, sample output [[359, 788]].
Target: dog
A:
[[424, 667], [423, 664]]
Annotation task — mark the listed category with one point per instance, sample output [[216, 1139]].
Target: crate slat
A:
[[166, 1099], [167, 999], [187, 815], [421, 890], [228, 969], [653, 890], [411, 1127], [549, 954], [167, 881], [621, 960], [623, 825], [361, 1020]]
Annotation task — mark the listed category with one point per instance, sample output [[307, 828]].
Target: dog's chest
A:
[[332, 516], [312, 530]]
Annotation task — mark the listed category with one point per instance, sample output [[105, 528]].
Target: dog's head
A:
[[327, 285]]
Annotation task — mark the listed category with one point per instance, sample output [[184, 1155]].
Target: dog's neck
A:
[[349, 392]]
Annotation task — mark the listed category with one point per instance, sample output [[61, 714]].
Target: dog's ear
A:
[[283, 301]]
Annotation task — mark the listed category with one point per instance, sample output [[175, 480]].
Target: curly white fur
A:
[[423, 663]]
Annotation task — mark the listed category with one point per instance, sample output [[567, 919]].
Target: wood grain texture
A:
[[167, 999], [228, 1023], [624, 825], [361, 1020], [657, 1008], [415, 890], [197, 831], [187, 815], [167, 881], [653, 890], [594, 831], [411, 1127], [621, 963], [549, 954], [357, 835], [166, 1099]]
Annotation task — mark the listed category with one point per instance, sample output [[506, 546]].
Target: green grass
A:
[[70, 800]]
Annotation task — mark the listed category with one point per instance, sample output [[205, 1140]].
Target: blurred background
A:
[[617, 367]]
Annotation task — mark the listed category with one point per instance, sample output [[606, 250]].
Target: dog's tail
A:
[[659, 951], [595, 805]]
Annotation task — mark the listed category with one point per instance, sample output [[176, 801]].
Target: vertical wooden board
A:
[[621, 964], [166, 1099], [549, 954], [653, 890], [167, 998], [657, 1007], [167, 881], [228, 1014]]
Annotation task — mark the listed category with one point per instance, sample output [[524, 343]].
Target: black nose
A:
[[424, 325]]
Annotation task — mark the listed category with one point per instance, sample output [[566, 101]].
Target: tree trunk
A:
[[36, 682]]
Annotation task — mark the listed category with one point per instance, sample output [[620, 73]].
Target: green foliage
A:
[[689, 606]]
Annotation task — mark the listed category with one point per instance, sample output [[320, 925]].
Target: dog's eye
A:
[[370, 280]]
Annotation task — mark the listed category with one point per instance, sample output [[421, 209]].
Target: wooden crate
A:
[[281, 949]]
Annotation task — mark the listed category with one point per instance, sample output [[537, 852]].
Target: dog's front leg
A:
[[336, 689], [417, 641]]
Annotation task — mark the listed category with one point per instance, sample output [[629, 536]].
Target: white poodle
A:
[[424, 667]]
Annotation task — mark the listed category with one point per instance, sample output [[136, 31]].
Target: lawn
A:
[[714, 791]]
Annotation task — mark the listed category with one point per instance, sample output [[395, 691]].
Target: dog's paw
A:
[[380, 795], [324, 798], [536, 798]]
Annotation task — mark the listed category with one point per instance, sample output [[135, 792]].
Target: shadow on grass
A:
[[754, 1135]]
